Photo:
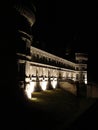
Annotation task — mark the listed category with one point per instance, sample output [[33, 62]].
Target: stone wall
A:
[[70, 87]]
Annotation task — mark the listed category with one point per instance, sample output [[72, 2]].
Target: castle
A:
[[37, 69]]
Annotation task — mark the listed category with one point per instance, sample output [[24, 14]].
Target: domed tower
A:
[[81, 67], [25, 19]]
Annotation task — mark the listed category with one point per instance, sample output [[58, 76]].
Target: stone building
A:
[[37, 69]]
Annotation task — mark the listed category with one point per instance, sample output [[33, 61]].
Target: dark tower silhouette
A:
[[24, 13]]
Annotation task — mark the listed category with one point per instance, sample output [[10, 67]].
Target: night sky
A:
[[63, 28]]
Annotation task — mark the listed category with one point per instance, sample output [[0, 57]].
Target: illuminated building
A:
[[37, 68]]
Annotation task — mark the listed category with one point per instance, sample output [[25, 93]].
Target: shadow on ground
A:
[[52, 109]]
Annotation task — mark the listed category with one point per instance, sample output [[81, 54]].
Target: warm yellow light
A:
[[32, 85], [54, 83], [85, 78], [85, 81], [27, 79], [43, 85], [34, 99], [34, 78], [28, 91], [30, 88]]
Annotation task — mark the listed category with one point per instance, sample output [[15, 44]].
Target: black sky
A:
[[67, 27], [62, 26]]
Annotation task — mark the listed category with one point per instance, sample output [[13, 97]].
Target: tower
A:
[[25, 13], [25, 19], [81, 67]]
